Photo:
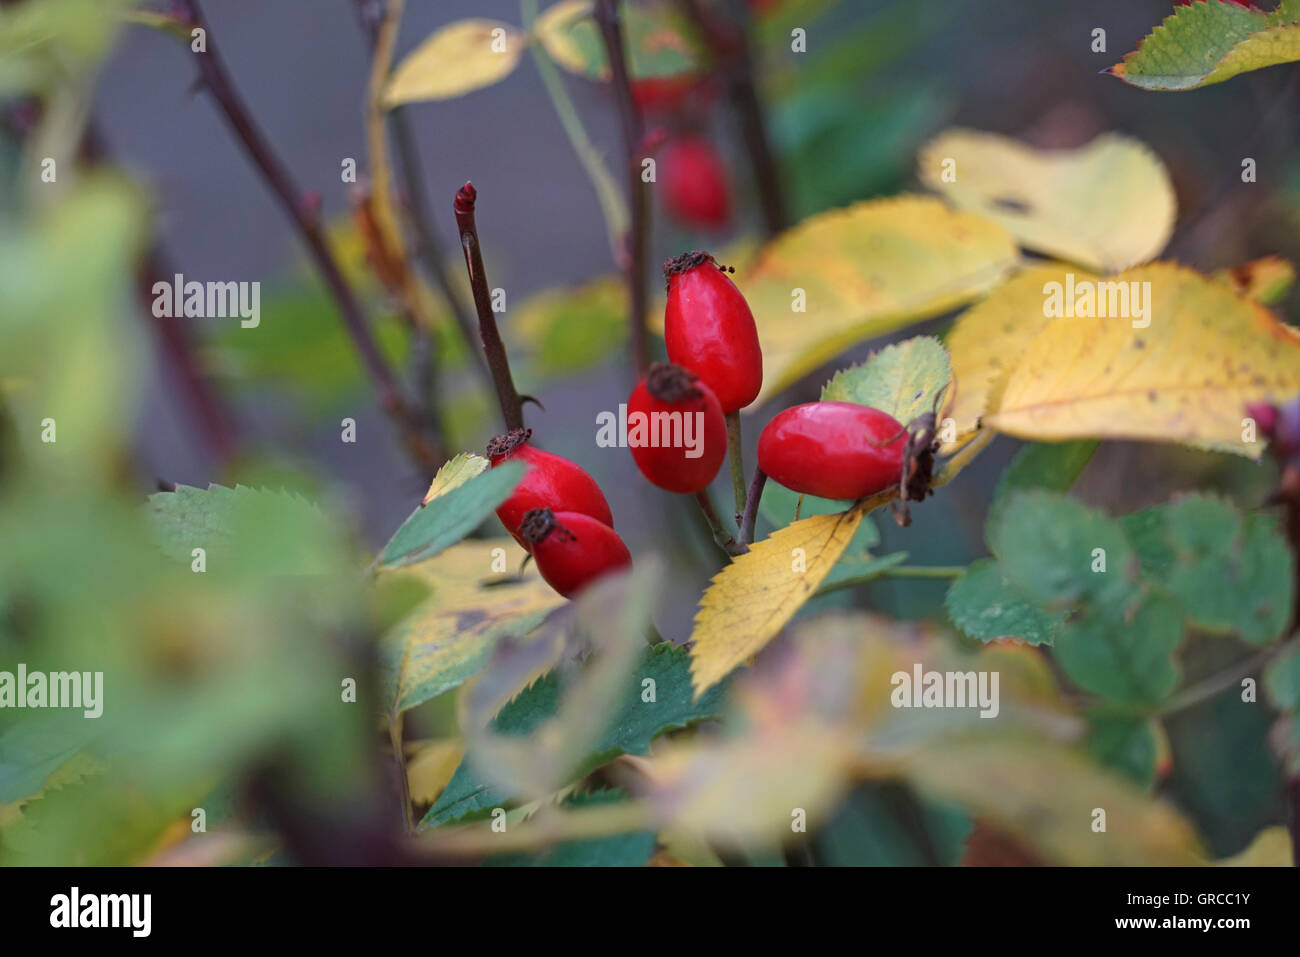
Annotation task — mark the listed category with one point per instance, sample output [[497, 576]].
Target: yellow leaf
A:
[[864, 271], [449, 636], [455, 472], [1107, 206], [1270, 848], [1045, 795], [431, 767], [1207, 352], [989, 338], [751, 599], [456, 59]]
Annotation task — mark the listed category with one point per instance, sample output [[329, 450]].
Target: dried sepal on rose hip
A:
[[709, 330], [551, 481], [676, 429], [571, 549], [846, 451]]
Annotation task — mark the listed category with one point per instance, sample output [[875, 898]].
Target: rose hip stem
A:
[[720, 533], [512, 404], [736, 453], [751, 506], [636, 241]]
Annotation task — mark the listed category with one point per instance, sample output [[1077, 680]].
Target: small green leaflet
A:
[[451, 516]]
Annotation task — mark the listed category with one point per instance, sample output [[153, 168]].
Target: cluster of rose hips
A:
[[835, 450]]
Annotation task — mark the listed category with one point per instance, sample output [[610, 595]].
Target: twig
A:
[[638, 235], [923, 571], [720, 533], [736, 454], [218, 82], [729, 40], [512, 405], [395, 736], [751, 506]]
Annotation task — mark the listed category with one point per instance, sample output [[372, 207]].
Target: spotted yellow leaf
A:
[[454, 60], [1182, 372], [852, 274], [1107, 205], [472, 603], [988, 339]]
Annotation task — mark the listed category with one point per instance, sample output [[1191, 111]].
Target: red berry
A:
[[829, 449], [551, 481], [695, 183], [709, 330], [571, 549], [680, 427]]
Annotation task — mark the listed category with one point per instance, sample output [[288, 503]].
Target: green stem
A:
[[736, 453], [720, 533], [924, 571], [612, 207]]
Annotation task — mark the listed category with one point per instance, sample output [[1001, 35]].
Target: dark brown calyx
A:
[[507, 442], [538, 523], [672, 383], [688, 261]]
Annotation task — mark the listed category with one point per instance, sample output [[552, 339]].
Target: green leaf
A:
[[1048, 545], [229, 525], [1124, 742], [1124, 657], [617, 850], [1050, 466], [781, 506], [630, 730], [884, 825], [453, 515], [984, 605], [34, 749], [906, 379], [1282, 680], [1209, 42], [1230, 575], [568, 330]]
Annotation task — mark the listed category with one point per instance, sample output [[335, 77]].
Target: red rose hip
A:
[[680, 432], [833, 449], [572, 550], [709, 330], [551, 481], [695, 189]]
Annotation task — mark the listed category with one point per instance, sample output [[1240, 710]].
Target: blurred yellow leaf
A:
[[472, 603], [864, 271], [751, 599], [430, 768], [456, 59], [454, 473], [1107, 206], [1045, 795], [1207, 352], [1270, 848], [988, 339]]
